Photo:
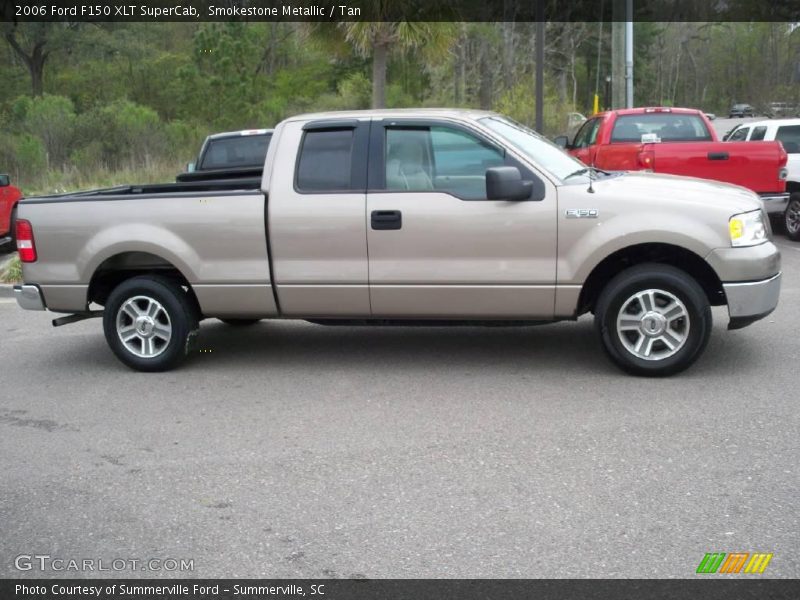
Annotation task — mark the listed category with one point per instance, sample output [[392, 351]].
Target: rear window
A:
[[236, 151], [790, 134], [663, 127], [325, 161]]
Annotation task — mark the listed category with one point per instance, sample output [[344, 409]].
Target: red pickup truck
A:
[[680, 141], [9, 196]]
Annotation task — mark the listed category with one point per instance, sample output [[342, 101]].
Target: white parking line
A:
[[7, 300]]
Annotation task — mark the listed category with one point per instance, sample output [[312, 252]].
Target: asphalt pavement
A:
[[296, 450]]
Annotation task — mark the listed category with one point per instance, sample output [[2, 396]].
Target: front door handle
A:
[[386, 219], [718, 156]]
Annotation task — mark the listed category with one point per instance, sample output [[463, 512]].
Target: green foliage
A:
[[52, 120], [30, 155], [518, 104], [133, 101], [11, 270]]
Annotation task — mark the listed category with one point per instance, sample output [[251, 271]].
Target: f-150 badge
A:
[[581, 213]]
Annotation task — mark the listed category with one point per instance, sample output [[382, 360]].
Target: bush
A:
[[518, 103], [52, 120], [11, 270]]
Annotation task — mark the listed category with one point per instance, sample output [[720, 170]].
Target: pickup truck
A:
[[9, 197], [787, 132], [680, 141], [229, 155], [399, 217]]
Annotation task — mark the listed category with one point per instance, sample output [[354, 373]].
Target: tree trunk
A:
[[34, 62], [37, 78], [379, 55], [485, 75]]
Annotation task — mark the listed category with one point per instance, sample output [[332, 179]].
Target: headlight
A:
[[747, 229]]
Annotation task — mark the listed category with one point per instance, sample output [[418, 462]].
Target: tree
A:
[[33, 43], [376, 39]]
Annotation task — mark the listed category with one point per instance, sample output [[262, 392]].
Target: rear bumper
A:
[[29, 297], [774, 203], [750, 301]]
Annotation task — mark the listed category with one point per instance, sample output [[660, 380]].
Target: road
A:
[[295, 450]]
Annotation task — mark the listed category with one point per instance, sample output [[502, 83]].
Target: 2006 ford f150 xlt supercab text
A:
[[399, 217]]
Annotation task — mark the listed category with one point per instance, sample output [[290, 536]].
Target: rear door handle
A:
[[386, 219], [718, 156]]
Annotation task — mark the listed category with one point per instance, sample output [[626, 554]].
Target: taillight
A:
[[646, 159], [25, 244]]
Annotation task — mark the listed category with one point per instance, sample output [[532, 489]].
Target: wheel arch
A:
[[663, 253], [124, 265]]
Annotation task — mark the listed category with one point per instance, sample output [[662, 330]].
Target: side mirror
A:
[[562, 141], [6, 180], [791, 147], [190, 167], [506, 183]]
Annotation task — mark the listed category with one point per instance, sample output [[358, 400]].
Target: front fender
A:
[[584, 243]]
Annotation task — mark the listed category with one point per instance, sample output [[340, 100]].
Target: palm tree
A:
[[377, 39]]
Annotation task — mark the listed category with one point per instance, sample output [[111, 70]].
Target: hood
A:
[[659, 188]]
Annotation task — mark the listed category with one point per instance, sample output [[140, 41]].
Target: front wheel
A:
[[791, 218], [149, 323], [653, 320]]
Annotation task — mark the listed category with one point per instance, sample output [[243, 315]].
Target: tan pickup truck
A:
[[406, 216]]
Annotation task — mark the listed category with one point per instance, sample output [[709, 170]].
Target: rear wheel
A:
[[791, 218], [149, 322], [653, 320]]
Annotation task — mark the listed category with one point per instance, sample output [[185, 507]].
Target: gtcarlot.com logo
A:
[[734, 562], [45, 562]]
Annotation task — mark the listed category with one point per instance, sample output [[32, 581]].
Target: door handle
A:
[[386, 219], [718, 156]]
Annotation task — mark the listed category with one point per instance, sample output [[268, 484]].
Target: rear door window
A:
[[758, 133], [325, 161]]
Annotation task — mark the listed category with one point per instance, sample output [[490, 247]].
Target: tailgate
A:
[[754, 165]]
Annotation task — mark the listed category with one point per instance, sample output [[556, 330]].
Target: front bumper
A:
[[750, 301], [29, 297], [774, 204]]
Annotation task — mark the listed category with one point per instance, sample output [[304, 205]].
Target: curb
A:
[[6, 290]]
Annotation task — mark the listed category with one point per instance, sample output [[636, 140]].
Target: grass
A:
[[71, 179], [11, 270]]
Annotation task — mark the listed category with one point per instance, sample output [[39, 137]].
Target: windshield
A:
[[540, 150]]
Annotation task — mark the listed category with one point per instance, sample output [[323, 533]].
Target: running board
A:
[[77, 317]]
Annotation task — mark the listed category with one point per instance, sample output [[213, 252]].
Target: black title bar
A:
[[398, 10], [728, 588]]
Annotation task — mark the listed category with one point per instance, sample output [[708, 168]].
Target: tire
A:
[[159, 318], [240, 322], [671, 306], [791, 218]]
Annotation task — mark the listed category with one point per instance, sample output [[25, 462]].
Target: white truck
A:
[[786, 131]]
